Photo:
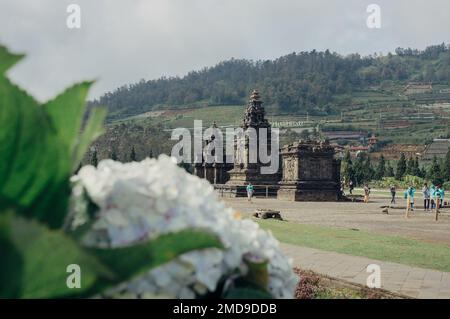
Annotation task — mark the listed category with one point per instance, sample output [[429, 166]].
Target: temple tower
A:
[[246, 169]]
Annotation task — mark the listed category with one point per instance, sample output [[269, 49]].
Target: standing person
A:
[[249, 192], [409, 193], [366, 193], [433, 196], [393, 191], [426, 197], [440, 194], [350, 187]]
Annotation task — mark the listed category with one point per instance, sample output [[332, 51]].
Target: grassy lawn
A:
[[361, 243]]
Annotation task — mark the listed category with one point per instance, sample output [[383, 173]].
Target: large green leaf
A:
[[92, 130], [40, 146], [35, 259]]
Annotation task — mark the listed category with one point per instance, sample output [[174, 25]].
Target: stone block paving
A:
[[402, 279]]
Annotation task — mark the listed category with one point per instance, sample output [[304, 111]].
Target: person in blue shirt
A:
[[409, 193], [249, 191], [433, 196]]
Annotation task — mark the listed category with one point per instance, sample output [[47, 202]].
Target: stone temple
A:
[[244, 171], [308, 170]]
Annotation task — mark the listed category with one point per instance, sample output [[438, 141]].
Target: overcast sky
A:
[[122, 42]]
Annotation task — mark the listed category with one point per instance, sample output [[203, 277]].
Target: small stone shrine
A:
[[310, 172]]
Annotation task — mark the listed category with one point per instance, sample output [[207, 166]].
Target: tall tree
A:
[[401, 167], [369, 172], [446, 168], [347, 167], [416, 170], [435, 172], [381, 168], [389, 170], [410, 166]]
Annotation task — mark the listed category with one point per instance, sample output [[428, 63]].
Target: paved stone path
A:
[[406, 280]]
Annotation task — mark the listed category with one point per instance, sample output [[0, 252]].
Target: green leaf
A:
[[135, 260], [41, 257], [7, 59], [92, 130], [40, 146], [66, 113]]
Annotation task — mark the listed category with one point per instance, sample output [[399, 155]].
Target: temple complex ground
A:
[[339, 240], [357, 216]]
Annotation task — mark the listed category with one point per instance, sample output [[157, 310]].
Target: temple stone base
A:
[[308, 193], [265, 185]]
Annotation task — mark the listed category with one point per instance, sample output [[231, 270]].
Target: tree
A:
[[446, 168], [416, 168], [347, 167], [401, 167], [435, 173], [363, 170], [368, 170], [94, 158], [410, 166], [389, 170], [133, 155], [381, 168]]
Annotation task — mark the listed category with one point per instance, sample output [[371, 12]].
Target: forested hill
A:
[[317, 82]]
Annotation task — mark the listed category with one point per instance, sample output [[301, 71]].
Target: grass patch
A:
[[362, 243]]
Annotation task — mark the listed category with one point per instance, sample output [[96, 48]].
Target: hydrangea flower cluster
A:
[[142, 200]]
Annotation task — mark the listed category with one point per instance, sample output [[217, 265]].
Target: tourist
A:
[[350, 187], [366, 193], [393, 191], [409, 194], [426, 197], [440, 194], [433, 196], [249, 191]]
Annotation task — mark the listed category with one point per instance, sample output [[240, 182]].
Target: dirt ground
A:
[[355, 215]]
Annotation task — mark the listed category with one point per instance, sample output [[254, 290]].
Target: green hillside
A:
[[320, 83]]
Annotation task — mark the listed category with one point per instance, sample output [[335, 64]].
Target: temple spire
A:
[[255, 113]]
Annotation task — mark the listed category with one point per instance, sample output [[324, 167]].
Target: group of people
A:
[[431, 196]]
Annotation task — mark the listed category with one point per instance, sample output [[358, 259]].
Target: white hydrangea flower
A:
[[140, 201]]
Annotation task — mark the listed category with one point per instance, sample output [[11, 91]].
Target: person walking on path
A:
[[366, 193], [426, 197], [350, 187], [393, 191], [409, 196], [249, 192]]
